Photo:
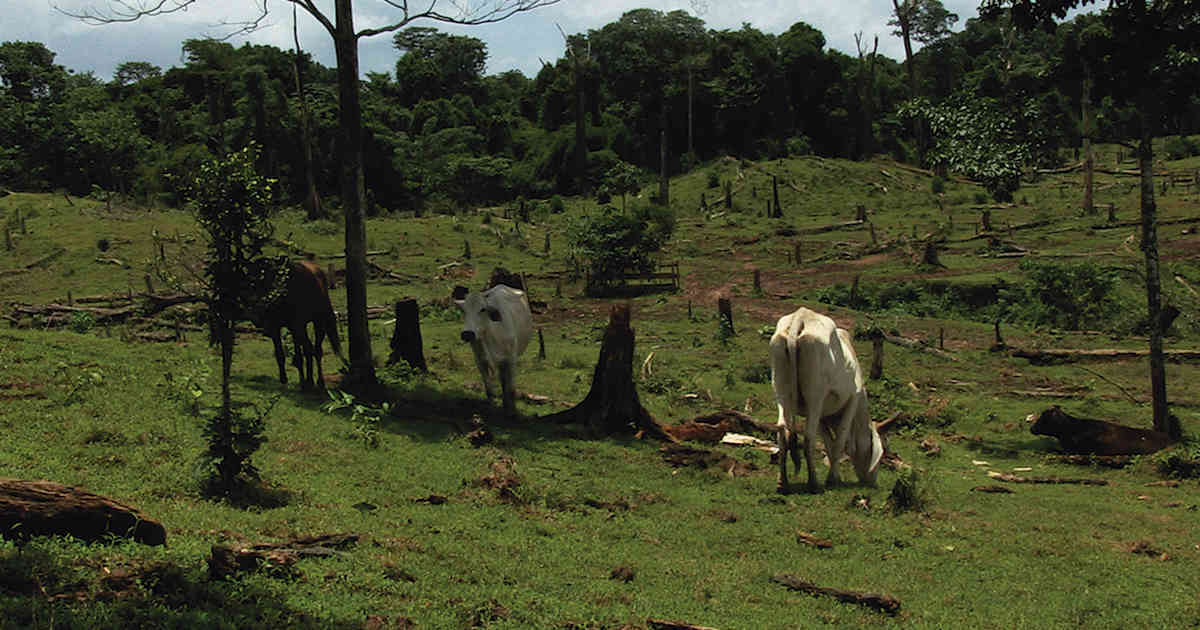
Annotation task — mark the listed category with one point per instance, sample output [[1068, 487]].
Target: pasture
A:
[[548, 527]]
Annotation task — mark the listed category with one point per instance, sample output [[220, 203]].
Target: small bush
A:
[[1074, 296], [1180, 147], [760, 373], [799, 145], [909, 494], [556, 205], [714, 180], [938, 185], [82, 321]]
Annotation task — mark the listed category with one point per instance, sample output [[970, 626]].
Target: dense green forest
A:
[[440, 134]]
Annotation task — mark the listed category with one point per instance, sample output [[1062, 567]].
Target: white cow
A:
[[815, 373], [497, 323]]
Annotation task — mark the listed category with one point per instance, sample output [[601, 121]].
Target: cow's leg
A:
[[786, 443], [508, 390], [318, 339], [303, 356], [279, 356], [485, 370], [812, 428], [836, 447]]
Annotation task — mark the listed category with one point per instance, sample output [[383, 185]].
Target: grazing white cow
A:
[[497, 323], [815, 373]]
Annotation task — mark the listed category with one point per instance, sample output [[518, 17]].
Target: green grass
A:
[[702, 545]]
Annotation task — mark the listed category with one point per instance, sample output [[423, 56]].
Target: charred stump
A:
[[406, 336], [612, 406], [46, 508]]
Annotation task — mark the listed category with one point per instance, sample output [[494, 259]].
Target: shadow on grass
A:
[[40, 587]]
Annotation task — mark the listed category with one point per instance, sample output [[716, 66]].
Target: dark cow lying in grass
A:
[[1097, 437], [306, 300]]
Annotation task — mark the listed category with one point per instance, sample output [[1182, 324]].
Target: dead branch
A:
[[877, 601], [1138, 223], [913, 344], [1052, 356], [844, 225], [666, 624], [1058, 480], [806, 538], [1000, 233], [276, 557], [45, 259]]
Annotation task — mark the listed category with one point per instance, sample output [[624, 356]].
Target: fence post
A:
[[877, 356], [725, 315], [541, 346]]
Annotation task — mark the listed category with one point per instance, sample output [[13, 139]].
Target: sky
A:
[[522, 42]]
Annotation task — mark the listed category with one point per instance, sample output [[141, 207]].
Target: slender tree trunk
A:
[[691, 145], [580, 128], [903, 17], [1089, 161], [1158, 378], [362, 365], [312, 199], [664, 182]]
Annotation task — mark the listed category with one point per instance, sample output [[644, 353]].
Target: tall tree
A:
[[926, 21], [1159, 41], [345, 40]]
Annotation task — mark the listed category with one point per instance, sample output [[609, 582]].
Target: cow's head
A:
[[477, 313], [1052, 422]]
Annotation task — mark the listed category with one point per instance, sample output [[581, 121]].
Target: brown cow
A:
[[305, 300], [1097, 437]]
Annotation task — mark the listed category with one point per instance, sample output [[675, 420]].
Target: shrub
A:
[[556, 204], [909, 494], [1074, 296], [938, 185], [1180, 147], [798, 145], [714, 180], [609, 242]]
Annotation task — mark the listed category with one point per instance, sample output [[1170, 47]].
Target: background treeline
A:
[[441, 134]]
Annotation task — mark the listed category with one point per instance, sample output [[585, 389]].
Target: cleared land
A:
[[545, 527]]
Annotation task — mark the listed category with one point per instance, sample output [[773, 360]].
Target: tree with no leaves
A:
[[345, 39]]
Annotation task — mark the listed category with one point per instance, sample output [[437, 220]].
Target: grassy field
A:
[[547, 527]]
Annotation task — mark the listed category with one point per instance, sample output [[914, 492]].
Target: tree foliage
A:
[[609, 242]]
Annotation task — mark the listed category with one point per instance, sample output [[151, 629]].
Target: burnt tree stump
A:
[[46, 508], [406, 336], [612, 406], [725, 316]]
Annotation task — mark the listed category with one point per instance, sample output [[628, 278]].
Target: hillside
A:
[[550, 528]]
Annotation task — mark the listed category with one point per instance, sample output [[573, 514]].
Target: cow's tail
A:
[[331, 331]]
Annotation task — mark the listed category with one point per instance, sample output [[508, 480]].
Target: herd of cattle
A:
[[814, 370]]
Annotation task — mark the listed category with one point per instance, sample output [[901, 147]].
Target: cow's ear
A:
[[459, 294], [493, 314]]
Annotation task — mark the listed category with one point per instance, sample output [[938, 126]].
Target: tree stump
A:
[[406, 341], [612, 406], [725, 316], [775, 197], [930, 255], [877, 356], [46, 508]]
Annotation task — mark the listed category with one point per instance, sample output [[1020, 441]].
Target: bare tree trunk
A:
[[1089, 160], [580, 128], [903, 17], [312, 199], [664, 183], [1158, 378], [362, 365]]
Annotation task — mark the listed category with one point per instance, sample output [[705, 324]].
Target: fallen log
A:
[[45, 259], [46, 508], [806, 538], [666, 624], [1138, 223], [844, 225], [226, 560], [1059, 480], [877, 601], [712, 427], [999, 233], [1051, 356], [1084, 436], [914, 344]]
